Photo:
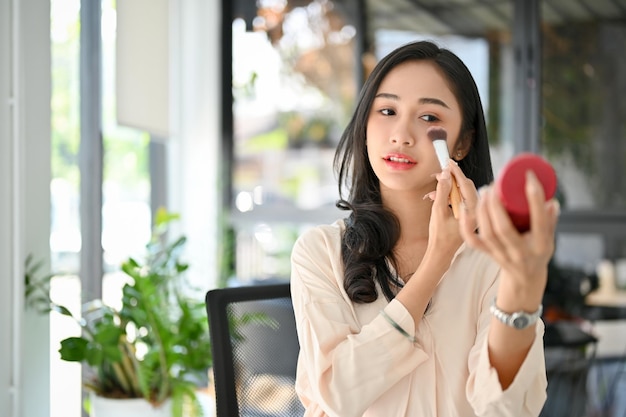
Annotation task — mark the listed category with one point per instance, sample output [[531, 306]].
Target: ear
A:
[[463, 145]]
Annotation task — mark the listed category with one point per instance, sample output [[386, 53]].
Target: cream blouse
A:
[[353, 362]]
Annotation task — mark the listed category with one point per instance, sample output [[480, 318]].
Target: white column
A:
[[24, 201], [35, 137], [194, 148], [6, 211]]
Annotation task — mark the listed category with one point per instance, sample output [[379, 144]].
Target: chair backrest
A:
[[255, 350]]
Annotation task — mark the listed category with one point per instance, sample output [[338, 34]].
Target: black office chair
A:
[[255, 350]]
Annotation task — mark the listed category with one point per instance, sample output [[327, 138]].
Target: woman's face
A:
[[411, 98]]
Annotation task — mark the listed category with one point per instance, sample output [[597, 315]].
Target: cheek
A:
[[373, 153], [370, 140], [375, 138]]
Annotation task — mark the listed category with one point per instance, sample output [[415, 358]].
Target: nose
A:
[[402, 135]]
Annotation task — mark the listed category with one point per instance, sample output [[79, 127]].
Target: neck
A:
[[413, 213]]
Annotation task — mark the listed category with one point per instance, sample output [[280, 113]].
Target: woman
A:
[[401, 308]]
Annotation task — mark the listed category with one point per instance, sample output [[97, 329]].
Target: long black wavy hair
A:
[[371, 230]]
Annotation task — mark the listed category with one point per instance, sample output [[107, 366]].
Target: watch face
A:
[[520, 321]]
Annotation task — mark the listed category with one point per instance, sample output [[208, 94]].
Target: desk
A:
[[605, 306], [607, 313], [607, 299]]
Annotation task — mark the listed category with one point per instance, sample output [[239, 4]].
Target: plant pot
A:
[[139, 407], [127, 407]]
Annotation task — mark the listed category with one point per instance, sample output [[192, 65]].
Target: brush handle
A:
[[455, 199]]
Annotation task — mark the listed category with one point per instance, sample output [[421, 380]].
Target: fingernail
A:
[[557, 207], [532, 182], [445, 174]]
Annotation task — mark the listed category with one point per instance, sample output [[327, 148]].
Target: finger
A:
[[485, 229], [467, 226], [540, 219], [430, 196], [455, 194], [554, 210], [488, 234], [455, 198], [500, 217], [466, 186], [442, 196], [508, 237]]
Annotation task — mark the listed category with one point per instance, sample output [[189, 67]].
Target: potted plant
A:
[[155, 347]]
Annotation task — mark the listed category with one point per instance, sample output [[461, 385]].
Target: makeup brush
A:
[[439, 137]]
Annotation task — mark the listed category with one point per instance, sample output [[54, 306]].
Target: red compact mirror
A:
[[510, 186]]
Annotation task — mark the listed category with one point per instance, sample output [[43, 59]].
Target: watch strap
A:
[[518, 319]]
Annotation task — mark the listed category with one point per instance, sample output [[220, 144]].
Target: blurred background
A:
[[228, 113]]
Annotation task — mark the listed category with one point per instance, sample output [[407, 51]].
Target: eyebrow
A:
[[422, 100]]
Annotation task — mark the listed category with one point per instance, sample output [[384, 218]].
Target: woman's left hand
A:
[[524, 256]]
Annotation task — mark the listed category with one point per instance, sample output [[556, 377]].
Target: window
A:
[[583, 126], [550, 75], [126, 213], [295, 75]]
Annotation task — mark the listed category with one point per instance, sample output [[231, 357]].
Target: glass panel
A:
[[584, 103], [65, 238], [484, 43], [294, 84], [126, 215], [126, 193], [580, 251], [291, 106], [295, 78]]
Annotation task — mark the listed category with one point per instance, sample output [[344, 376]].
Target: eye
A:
[[387, 112], [429, 118]]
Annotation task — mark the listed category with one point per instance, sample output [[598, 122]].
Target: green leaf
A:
[[108, 334], [163, 217], [74, 349], [61, 310], [111, 353], [94, 354]]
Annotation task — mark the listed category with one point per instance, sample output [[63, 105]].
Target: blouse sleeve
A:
[[346, 365], [525, 396]]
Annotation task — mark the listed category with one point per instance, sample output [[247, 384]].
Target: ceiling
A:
[[477, 17]]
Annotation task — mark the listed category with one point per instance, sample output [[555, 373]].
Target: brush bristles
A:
[[437, 133]]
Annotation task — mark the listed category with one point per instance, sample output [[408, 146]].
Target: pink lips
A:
[[399, 161]]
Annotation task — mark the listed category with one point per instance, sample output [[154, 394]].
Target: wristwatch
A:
[[519, 319]]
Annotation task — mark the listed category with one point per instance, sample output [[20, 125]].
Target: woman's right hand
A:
[[444, 233]]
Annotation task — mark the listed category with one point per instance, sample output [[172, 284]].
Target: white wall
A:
[[24, 201]]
